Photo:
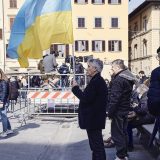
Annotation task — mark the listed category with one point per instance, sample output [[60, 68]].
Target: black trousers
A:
[[119, 135], [96, 144]]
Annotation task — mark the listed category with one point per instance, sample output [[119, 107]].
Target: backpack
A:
[[13, 90]]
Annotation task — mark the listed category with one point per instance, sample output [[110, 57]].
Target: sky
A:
[[134, 4]]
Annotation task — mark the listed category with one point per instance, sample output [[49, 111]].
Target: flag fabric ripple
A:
[[38, 24]]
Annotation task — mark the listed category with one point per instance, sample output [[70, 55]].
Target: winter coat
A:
[[4, 91], [154, 93], [154, 88], [120, 95], [92, 106]]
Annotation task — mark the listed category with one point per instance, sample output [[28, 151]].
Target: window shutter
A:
[[92, 1], [103, 1], [119, 1], [87, 47], [55, 47], [86, 1], [67, 50], [109, 46], [75, 1], [103, 45], [109, 1], [93, 45], [0, 33], [120, 45], [76, 45]]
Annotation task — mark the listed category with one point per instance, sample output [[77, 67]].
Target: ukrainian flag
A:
[[38, 24]]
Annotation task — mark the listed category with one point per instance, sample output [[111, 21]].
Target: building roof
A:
[[140, 7]]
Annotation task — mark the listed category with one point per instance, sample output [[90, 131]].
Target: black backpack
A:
[[13, 90]]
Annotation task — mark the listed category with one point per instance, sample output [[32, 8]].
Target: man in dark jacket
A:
[[154, 90], [119, 105], [92, 108]]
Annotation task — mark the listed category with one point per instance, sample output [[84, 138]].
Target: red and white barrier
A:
[[58, 97]]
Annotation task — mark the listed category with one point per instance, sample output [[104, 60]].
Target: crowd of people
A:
[[129, 101]]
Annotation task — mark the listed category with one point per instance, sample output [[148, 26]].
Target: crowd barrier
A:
[[55, 100], [52, 102]]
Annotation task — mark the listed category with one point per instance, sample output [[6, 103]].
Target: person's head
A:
[[158, 54], [94, 66], [56, 54], [117, 66], [141, 74], [76, 61], [2, 75]]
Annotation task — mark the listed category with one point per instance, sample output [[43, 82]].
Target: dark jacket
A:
[[154, 88], [120, 95], [4, 91], [92, 106], [13, 90], [154, 93]]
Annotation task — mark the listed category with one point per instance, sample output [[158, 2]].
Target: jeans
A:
[[5, 122]]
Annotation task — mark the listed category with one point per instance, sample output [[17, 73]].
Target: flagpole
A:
[[4, 46], [73, 61]]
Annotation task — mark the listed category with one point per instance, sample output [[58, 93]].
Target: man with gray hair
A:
[[119, 106], [92, 107]]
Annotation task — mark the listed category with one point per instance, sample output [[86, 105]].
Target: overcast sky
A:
[[134, 4]]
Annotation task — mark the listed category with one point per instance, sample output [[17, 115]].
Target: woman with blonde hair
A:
[[4, 93]]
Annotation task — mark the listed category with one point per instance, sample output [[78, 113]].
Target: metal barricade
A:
[[56, 99], [52, 102]]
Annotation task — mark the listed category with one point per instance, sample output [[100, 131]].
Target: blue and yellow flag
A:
[[38, 24]]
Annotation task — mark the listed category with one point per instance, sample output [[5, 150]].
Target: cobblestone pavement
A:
[[48, 139]]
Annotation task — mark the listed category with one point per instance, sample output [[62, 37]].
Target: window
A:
[[98, 22], [81, 1], [114, 22], [114, 1], [13, 3], [98, 46], [130, 32], [0, 34], [130, 53], [135, 28], [81, 46], [144, 47], [144, 24], [11, 22], [135, 52], [114, 46], [81, 22], [98, 1], [62, 49]]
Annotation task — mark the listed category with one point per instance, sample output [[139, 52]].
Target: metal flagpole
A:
[[4, 46], [73, 61]]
